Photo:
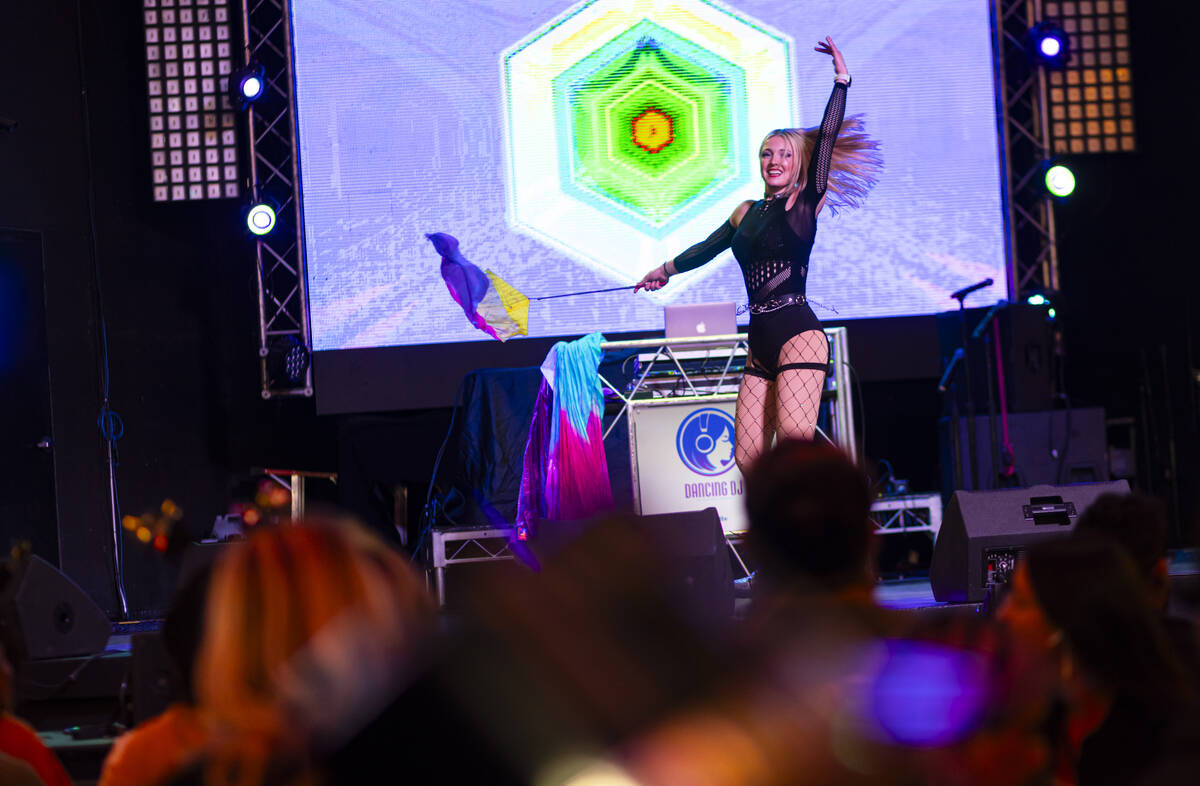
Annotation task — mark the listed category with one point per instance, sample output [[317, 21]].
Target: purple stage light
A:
[[247, 84], [1048, 44]]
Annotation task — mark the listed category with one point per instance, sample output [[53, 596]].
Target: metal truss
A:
[[909, 513], [463, 545], [283, 298], [282, 286], [1025, 140]]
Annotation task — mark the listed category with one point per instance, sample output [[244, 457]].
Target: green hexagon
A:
[[649, 68], [622, 147]]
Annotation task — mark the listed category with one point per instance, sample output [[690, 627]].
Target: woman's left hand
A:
[[827, 47]]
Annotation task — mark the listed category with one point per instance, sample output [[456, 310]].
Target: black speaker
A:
[[46, 615], [1038, 440], [982, 533], [693, 546], [1026, 341]]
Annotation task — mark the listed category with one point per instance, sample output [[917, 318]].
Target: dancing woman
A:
[[780, 391]]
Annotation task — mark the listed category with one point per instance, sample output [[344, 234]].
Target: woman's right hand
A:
[[827, 47], [655, 279]]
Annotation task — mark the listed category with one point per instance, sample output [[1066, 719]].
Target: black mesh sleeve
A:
[[705, 250], [831, 124]]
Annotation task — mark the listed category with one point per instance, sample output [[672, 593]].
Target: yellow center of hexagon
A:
[[653, 130]]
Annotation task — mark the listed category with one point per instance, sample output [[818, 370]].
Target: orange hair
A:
[[269, 598]]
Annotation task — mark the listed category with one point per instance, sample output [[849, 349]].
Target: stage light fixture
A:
[[260, 218], [287, 360], [1060, 180], [1043, 297], [247, 84], [295, 362], [1049, 44]]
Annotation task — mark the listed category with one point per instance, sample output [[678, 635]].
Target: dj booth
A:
[[668, 441], [679, 412]]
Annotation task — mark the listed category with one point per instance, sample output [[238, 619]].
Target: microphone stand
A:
[[982, 330], [972, 449], [961, 297], [955, 437], [1007, 476]]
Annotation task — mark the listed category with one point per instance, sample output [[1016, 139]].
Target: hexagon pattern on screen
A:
[[628, 124], [651, 126]]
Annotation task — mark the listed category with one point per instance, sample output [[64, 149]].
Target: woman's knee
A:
[[797, 429]]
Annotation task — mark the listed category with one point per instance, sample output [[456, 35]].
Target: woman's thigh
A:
[[800, 383], [756, 418]]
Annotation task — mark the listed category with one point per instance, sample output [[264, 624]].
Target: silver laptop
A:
[[700, 319]]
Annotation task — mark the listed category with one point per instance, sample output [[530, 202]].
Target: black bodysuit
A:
[[772, 246]]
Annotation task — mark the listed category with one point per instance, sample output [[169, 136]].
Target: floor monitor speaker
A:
[[983, 532], [44, 614]]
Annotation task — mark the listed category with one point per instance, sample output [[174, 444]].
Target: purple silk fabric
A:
[[531, 504], [565, 472], [466, 282]]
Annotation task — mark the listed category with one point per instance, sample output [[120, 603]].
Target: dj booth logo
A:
[[705, 441]]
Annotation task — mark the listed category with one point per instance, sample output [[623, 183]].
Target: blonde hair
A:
[[269, 598], [854, 168]]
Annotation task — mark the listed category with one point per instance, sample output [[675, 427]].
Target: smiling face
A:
[[778, 162]]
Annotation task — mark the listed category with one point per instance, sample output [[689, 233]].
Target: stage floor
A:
[[906, 594], [915, 593]]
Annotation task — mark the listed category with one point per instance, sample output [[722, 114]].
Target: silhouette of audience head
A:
[[1138, 525], [808, 508], [1081, 602]]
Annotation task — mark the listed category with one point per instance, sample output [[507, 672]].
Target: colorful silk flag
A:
[[490, 302], [565, 473]]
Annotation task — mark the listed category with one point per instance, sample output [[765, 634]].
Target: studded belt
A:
[[773, 304]]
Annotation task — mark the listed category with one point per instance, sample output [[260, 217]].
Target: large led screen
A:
[[573, 146]]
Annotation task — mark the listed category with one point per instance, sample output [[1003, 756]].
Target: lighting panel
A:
[[193, 126], [1091, 98]]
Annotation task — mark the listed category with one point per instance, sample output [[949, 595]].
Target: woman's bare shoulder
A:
[[739, 213]]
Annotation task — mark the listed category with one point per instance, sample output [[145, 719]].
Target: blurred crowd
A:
[[310, 653]]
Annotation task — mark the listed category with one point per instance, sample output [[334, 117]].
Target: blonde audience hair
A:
[[270, 597]]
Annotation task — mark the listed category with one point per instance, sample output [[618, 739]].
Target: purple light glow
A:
[[927, 695]]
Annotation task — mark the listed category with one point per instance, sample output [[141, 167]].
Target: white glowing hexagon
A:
[[599, 232]]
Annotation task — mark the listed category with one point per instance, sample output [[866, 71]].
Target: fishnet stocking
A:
[[787, 406], [756, 419], [798, 391]]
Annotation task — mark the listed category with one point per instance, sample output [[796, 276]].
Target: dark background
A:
[[178, 293]]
